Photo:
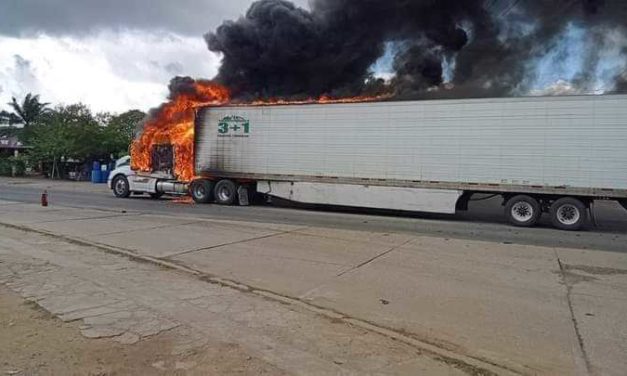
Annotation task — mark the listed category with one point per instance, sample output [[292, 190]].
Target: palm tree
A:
[[29, 110]]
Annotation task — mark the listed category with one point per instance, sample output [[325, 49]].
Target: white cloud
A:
[[109, 71]]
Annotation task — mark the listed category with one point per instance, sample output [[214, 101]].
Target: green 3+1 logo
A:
[[235, 124]]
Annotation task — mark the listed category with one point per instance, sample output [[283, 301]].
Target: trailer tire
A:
[[568, 213], [623, 203], [201, 191], [225, 192], [523, 211], [120, 186]]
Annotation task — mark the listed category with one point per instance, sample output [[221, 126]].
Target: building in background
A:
[[11, 146]]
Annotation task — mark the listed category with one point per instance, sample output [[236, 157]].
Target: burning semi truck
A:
[[554, 155]]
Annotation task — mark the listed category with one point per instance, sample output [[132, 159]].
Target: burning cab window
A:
[[163, 158]]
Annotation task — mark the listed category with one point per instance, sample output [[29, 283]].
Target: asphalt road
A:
[[484, 220]]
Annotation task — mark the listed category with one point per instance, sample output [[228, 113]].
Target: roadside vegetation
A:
[[61, 141]]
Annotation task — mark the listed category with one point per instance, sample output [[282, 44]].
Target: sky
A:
[[112, 55], [116, 55]]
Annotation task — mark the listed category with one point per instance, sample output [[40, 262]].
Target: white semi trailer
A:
[[551, 155]]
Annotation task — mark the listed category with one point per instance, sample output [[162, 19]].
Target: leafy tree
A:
[[118, 133], [73, 132], [13, 165], [28, 111], [67, 132]]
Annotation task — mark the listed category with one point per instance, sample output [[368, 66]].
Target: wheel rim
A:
[[224, 194], [120, 186], [522, 211], [199, 191], [568, 214]]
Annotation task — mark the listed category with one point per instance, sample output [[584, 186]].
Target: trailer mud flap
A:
[[243, 195]]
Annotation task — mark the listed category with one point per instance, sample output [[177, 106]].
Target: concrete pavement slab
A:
[[487, 300], [109, 223], [594, 258], [8, 202], [291, 263], [502, 302], [381, 238], [602, 324], [172, 240], [250, 225], [595, 273], [585, 280], [292, 339], [29, 213], [597, 283]]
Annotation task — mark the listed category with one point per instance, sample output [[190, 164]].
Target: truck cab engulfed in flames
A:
[[125, 181]]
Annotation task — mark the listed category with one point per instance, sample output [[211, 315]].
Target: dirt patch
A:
[[33, 342], [571, 278], [598, 270]]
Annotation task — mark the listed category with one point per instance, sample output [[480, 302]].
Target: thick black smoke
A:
[[279, 50]]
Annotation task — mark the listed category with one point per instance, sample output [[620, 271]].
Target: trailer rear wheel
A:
[[225, 192], [523, 211], [568, 213], [201, 191]]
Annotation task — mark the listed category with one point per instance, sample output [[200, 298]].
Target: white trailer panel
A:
[[576, 141]]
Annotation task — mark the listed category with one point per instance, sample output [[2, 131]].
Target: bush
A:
[[5, 166], [9, 165]]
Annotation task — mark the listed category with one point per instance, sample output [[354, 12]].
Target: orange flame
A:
[[173, 124], [322, 100], [185, 200]]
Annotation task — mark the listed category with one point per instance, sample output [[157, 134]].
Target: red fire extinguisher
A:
[[44, 198]]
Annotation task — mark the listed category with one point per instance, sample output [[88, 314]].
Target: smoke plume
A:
[[280, 50]]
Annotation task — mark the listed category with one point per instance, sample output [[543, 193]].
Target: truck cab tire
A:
[[523, 211], [568, 213], [225, 192], [201, 191], [121, 187]]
